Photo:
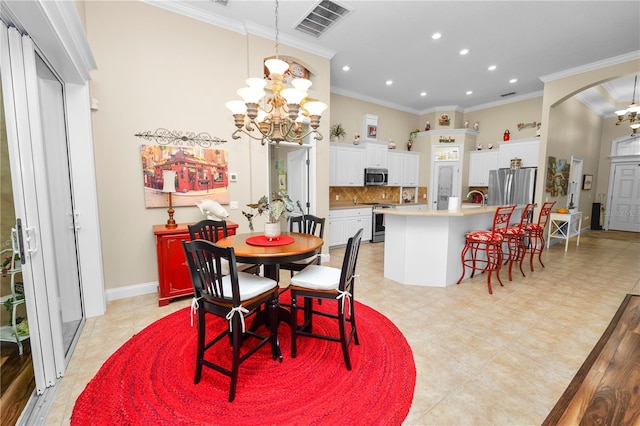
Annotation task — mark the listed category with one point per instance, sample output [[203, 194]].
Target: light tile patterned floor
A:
[[501, 359]]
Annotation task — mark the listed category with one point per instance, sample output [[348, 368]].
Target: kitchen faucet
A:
[[477, 192]]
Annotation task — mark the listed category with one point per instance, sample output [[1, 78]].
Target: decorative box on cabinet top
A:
[[173, 273]]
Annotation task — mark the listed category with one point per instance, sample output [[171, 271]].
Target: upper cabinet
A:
[[346, 165], [376, 154], [411, 169], [395, 164], [480, 162], [525, 149], [403, 168]]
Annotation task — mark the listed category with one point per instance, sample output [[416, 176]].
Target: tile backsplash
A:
[[372, 194]]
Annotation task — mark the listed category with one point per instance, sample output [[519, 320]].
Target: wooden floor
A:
[[16, 381], [606, 389]]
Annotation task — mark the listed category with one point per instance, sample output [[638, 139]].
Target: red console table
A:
[[173, 272]]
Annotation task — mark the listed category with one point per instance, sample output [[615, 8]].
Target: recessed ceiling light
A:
[[436, 36], [464, 51], [469, 92], [346, 68], [513, 80], [492, 68], [423, 93], [389, 82]]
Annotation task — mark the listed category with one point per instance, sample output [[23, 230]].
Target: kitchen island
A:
[[424, 247]]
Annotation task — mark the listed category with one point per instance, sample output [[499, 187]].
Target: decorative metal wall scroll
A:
[[177, 137]]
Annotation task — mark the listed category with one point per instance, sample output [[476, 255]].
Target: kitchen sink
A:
[[471, 206]]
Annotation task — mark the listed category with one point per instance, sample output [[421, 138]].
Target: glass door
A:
[[44, 205]]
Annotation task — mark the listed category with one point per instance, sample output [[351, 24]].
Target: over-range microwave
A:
[[376, 176]]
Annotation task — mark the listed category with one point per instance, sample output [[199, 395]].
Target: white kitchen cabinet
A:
[[344, 223], [404, 168], [376, 154], [333, 165], [346, 165], [525, 149], [480, 162], [411, 169], [395, 165]]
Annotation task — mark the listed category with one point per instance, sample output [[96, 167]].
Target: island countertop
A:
[[471, 210]]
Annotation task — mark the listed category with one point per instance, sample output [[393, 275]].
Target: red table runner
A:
[[261, 240]]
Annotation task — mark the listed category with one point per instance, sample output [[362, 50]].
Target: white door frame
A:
[[624, 151], [457, 178]]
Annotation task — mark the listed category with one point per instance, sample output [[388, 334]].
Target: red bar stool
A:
[[534, 233], [489, 242], [515, 240]]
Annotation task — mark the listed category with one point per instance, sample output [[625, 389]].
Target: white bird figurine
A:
[[212, 210]]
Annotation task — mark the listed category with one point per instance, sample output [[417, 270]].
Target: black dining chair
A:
[[307, 224], [328, 284], [213, 230], [235, 297]]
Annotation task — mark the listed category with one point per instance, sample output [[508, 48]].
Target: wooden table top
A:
[[304, 245]]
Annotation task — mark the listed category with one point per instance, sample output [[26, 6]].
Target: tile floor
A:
[[501, 359]]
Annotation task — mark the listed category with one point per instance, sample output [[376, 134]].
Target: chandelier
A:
[[631, 113], [281, 114]]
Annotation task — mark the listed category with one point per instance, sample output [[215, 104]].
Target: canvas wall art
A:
[[557, 177], [201, 173]]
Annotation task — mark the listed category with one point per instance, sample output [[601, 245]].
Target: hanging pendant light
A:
[[281, 114], [631, 113]]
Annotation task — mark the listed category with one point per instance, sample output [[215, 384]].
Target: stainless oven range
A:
[[378, 222]]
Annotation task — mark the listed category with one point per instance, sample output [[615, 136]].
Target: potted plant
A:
[[412, 137], [337, 132], [280, 205]]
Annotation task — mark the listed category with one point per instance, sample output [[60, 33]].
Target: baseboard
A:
[[132, 290]]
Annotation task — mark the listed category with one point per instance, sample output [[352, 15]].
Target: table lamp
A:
[[169, 178]]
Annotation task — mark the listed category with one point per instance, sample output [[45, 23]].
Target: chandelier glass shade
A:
[[278, 113], [630, 114], [281, 114]]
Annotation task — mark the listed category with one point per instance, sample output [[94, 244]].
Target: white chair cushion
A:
[[224, 265], [318, 277], [250, 285]]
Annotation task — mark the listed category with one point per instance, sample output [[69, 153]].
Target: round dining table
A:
[[272, 254]]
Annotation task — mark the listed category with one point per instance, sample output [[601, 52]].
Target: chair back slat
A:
[[501, 218], [349, 261], [527, 215], [307, 224], [209, 230], [205, 265], [545, 211]]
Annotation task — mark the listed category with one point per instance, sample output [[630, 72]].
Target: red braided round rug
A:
[[149, 380]]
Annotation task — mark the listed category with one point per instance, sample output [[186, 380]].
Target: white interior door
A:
[[298, 177], [446, 181], [623, 212]]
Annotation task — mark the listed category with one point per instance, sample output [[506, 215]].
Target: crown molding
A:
[[359, 97], [512, 99], [239, 27], [592, 66]]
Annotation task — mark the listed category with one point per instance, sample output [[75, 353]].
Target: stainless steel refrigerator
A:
[[508, 186]]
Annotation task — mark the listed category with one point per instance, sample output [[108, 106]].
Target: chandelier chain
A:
[[277, 31], [635, 83]]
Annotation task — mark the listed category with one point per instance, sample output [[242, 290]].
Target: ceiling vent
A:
[[321, 18], [221, 2], [504, 95]]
